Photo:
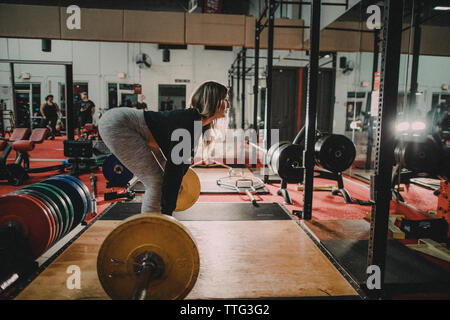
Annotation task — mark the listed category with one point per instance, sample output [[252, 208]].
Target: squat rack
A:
[[69, 84], [380, 181]]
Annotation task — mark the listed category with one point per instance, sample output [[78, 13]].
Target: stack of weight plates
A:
[[47, 210]]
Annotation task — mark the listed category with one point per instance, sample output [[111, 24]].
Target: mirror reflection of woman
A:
[[50, 111]]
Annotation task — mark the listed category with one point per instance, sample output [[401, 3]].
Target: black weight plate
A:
[[76, 195], [85, 190], [271, 153], [419, 156], [67, 202], [58, 200], [86, 200], [288, 160], [335, 152]]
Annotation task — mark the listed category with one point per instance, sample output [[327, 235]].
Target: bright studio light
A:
[[440, 8], [402, 126], [418, 126]]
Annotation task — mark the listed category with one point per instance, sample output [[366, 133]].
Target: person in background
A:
[[50, 112], [87, 110], [436, 115], [141, 105]]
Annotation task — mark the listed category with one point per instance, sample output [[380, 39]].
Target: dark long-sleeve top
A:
[[162, 125]]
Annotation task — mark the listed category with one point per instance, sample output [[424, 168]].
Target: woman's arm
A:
[[206, 121], [42, 110], [58, 110], [221, 113], [151, 142]]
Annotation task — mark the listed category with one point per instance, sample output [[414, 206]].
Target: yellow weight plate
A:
[[189, 191], [149, 232]]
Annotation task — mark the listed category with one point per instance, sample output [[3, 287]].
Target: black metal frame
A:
[[69, 84], [381, 183], [376, 52], [384, 158], [380, 186], [311, 114], [416, 53]]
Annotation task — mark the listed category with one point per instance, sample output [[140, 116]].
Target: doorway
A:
[[28, 100], [171, 97]]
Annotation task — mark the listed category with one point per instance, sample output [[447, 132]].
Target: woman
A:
[[141, 105], [134, 136], [50, 112]]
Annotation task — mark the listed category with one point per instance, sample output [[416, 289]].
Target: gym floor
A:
[[266, 257]]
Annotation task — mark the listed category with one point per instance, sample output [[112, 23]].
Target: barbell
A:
[[334, 152], [148, 256]]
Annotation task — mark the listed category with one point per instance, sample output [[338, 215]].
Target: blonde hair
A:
[[207, 99]]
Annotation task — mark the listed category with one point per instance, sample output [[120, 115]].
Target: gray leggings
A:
[[125, 133]]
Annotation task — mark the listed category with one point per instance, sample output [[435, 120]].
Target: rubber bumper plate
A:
[[32, 216]]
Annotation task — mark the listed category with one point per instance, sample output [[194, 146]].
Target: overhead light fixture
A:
[[25, 76], [441, 8], [121, 75], [327, 56]]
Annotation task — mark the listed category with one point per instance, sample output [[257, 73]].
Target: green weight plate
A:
[[52, 208], [67, 201], [76, 195], [57, 199]]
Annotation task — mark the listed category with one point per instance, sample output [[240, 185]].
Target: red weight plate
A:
[[32, 216], [46, 205]]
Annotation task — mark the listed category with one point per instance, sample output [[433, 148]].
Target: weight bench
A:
[[6, 145], [12, 172], [24, 146], [17, 135]]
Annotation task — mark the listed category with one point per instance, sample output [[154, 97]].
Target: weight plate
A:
[[115, 172], [287, 162], [75, 194], [86, 200], [270, 152], [33, 218], [149, 232], [189, 191], [334, 152], [86, 191], [52, 208], [61, 207], [419, 156], [66, 201]]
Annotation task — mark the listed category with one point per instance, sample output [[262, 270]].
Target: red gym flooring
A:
[[325, 206]]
